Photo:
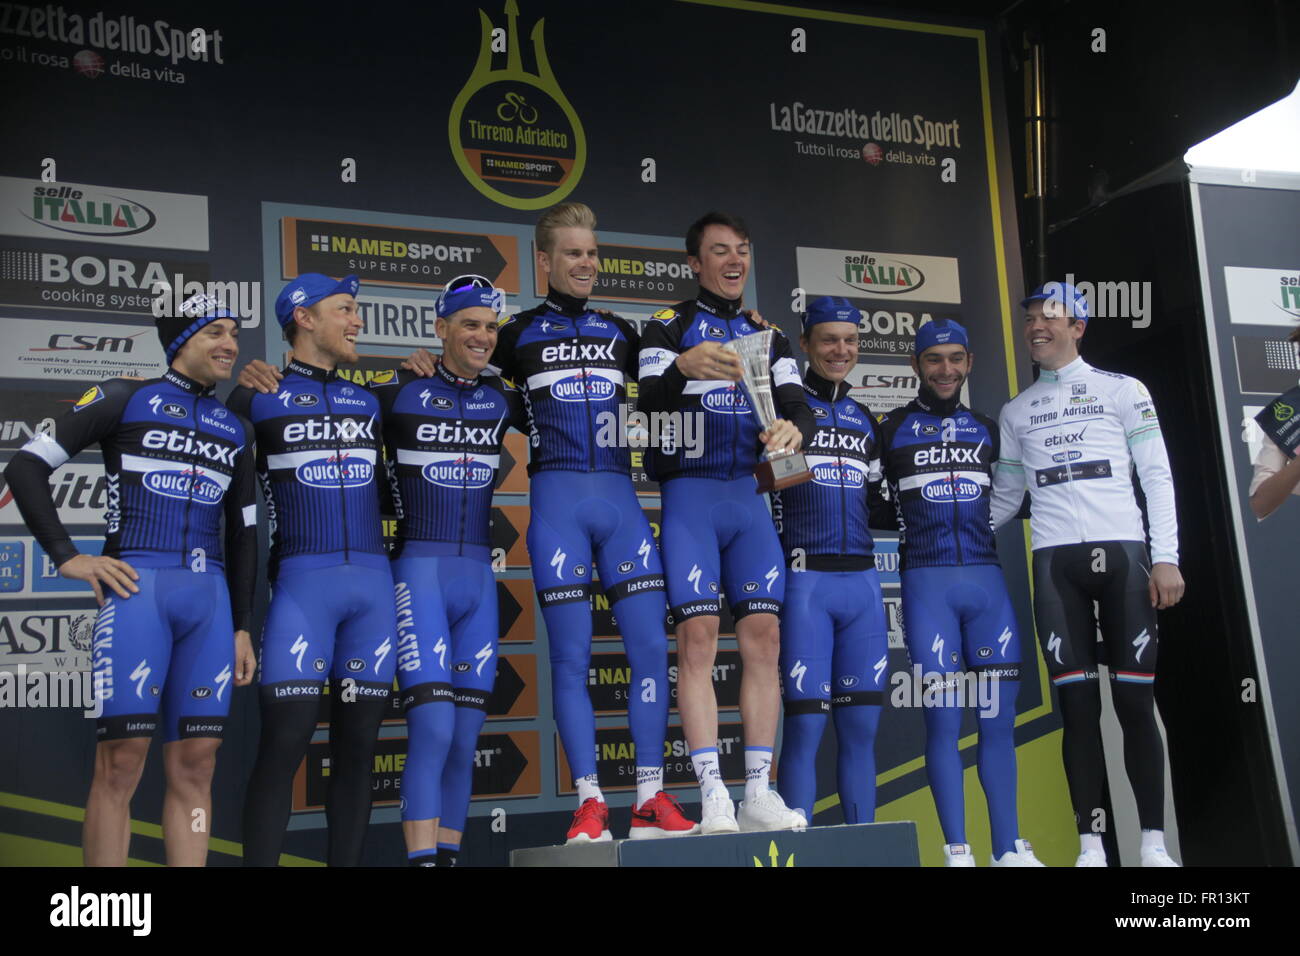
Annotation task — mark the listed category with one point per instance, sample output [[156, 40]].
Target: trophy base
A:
[[781, 472]]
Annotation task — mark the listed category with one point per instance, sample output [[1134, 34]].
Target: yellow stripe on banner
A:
[[63, 811], [26, 851]]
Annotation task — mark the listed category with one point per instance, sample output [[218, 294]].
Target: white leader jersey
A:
[[1074, 437]]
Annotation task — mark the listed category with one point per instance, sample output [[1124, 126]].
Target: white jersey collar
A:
[[1076, 369]]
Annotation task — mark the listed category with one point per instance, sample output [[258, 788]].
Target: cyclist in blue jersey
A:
[[173, 631], [834, 640], [573, 364], [331, 615], [717, 533], [938, 459], [442, 440]]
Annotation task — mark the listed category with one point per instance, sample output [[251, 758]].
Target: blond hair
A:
[[565, 215]]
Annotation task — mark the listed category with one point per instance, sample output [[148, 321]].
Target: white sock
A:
[[1153, 839], [649, 781], [588, 788], [707, 771], [1091, 841], [758, 769]]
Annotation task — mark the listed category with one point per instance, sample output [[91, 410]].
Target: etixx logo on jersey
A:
[[514, 135]]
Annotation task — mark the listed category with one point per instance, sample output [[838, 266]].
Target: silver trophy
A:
[[781, 468]]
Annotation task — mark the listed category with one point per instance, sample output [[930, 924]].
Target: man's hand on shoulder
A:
[[422, 362], [260, 377]]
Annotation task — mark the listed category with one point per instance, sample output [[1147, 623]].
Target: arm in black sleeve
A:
[[633, 348], [386, 391], [95, 415], [517, 416], [882, 511], [787, 388], [240, 401], [660, 382], [241, 533], [502, 361]]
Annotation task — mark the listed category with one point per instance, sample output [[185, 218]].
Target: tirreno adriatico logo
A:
[[514, 134]]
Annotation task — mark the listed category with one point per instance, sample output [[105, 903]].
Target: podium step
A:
[[859, 844]]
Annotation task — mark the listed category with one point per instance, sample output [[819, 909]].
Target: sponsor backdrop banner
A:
[[1251, 310], [895, 194]]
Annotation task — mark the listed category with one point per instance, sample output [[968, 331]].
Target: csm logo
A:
[[67, 342]]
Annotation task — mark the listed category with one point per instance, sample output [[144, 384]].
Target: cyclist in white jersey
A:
[[1074, 438]]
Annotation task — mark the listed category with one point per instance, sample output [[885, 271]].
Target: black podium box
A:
[[861, 844]]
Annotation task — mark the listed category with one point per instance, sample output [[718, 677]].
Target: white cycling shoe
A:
[[717, 814], [767, 811], [1022, 855], [958, 854]]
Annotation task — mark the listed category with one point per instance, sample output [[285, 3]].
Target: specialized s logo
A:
[[512, 131], [298, 648], [1054, 648], [644, 552], [381, 653], [222, 681], [140, 675], [1141, 642], [483, 655], [694, 577], [796, 674]]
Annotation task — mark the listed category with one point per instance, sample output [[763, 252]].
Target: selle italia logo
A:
[[514, 134], [868, 272], [88, 214]]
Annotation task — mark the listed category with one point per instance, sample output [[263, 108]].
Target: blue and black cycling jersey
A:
[[442, 447], [176, 464], [318, 440], [938, 461], [825, 520], [730, 446], [572, 366]]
